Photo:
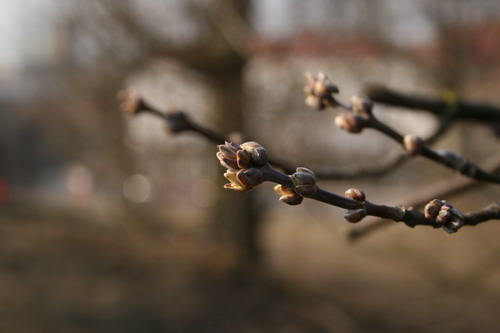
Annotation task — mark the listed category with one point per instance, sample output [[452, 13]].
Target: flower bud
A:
[[454, 225], [250, 178], [314, 102], [355, 194], [304, 181], [257, 153], [413, 144], [361, 105], [431, 210], [227, 155], [350, 122], [454, 221], [234, 183], [287, 195], [318, 90], [243, 159], [444, 215], [355, 215], [227, 151]]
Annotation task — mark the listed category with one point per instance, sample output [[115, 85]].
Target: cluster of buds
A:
[[288, 195], [358, 117], [444, 215], [355, 215], [413, 144], [304, 182], [243, 163], [131, 102], [350, 122], [319, 91], [361, 105]]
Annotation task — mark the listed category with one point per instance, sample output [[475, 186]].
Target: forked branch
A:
[[131, 103], [359, 115], [462, 109], [247, 167]]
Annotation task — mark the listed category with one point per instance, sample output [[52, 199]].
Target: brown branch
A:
[[463, 109], [442, 189], [359, 115], [491, 212], [178, 121], [248, 167]]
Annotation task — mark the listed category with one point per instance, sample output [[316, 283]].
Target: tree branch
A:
[[467, 110], [359, 115], [131, 103], [442, 189], [247, 167]]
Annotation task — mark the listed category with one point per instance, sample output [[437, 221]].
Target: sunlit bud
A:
[[361, 105], [355, 194], [250, 178], [234, 183], [304, 176], [431, 210], [444, 215], [226, 162], [350, 122], [454, 220], [288, 195], [243, 158], [318, 90], [454, 225], [304, 181], [355, 215], [227, 155], [314, 102], [228, 151], [131, 102], [257, 153], [413, 144]]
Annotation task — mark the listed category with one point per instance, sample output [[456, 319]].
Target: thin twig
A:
[[464, 109], [248, 167], [442, 189], [178, 121], [359, 115]]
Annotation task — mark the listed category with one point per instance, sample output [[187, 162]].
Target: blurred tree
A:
[[103, 43]]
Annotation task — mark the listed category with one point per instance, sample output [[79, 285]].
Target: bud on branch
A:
[[248, 167], [359, 115]]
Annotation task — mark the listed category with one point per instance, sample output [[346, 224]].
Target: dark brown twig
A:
[[442, 189], [248, 167], [359, 115], [481, 112], [178, 121]]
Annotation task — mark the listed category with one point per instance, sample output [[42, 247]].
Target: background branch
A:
[[178, 121], [359, 115], [464, 109], [443, 189]]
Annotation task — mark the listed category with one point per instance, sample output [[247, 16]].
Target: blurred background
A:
[[113, 224]]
